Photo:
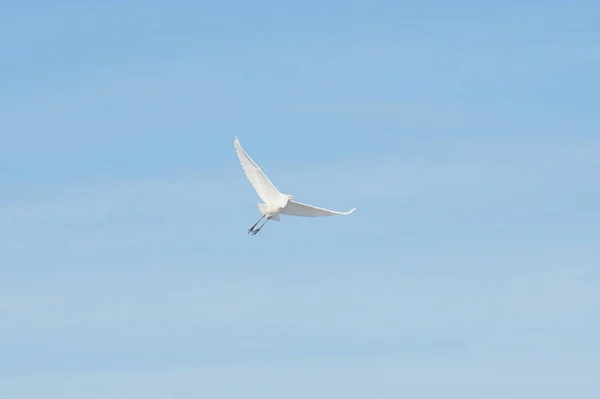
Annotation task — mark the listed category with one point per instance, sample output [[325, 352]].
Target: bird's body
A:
[[275, 203]]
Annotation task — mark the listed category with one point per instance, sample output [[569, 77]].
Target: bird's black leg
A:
[[254, 225], [261, 226]]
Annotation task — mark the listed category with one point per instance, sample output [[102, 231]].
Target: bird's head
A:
[[290, 197]]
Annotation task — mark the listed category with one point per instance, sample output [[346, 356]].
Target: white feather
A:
[[263, 186], [298, 209]]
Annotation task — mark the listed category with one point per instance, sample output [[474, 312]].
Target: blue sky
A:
[[465, 133]]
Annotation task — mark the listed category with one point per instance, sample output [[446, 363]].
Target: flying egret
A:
[[275, 203]]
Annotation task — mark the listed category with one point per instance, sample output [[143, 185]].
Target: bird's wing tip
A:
[[236, 144], [351, 210]]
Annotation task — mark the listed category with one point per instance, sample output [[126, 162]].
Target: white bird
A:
[[275, 203]]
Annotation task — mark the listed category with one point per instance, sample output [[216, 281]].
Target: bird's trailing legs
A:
[[251, 229], [261, 226]]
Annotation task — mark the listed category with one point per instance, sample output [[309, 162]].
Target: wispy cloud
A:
[[459, 168], [328, 378], [267, 330], [87, 218], [519, 178]]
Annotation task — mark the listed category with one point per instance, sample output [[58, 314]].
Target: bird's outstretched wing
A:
[[298, 209], [263, 186]]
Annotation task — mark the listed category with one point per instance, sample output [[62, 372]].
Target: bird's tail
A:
[[262, 208]]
